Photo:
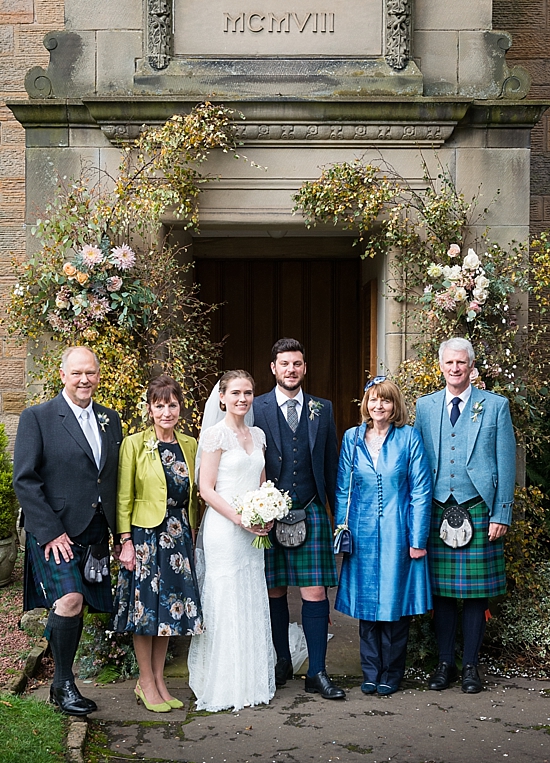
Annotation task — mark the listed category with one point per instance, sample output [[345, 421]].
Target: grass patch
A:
[[31, 731]]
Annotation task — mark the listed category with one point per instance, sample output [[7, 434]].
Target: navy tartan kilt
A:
[[475, 571], [46, 581], [313, 563]]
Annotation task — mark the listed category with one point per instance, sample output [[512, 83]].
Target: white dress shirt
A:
[[464, 397], [77, 410], [283, 399]]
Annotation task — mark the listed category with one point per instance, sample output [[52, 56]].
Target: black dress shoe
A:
[[70, 701], [322, 684], [444, 675], [471, 682], [283, 672]]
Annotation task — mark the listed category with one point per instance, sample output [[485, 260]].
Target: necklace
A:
[[375, 442]]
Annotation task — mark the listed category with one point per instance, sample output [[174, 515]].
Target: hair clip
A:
[[376, 380]]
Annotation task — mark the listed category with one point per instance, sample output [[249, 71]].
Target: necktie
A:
[[90, 436], [292, 415], [455, 411]]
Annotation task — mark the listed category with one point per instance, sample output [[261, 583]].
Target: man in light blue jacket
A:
[[469, 439]]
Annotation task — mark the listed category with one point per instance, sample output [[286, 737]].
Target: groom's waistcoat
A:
[[297, 471], [452, 479]]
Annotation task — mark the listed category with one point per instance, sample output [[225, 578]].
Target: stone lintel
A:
[[314, 78]]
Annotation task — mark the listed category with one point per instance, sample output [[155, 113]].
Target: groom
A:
[[301, 458]]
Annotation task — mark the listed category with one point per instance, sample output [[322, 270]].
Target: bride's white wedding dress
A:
[[231, 665]]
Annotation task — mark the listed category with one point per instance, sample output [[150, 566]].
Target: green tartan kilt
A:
[[475, 571], [313, 563]]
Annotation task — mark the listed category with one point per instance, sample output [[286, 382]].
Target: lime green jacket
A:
[[142, 492]]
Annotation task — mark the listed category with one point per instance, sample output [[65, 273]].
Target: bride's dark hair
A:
[[229, 376]]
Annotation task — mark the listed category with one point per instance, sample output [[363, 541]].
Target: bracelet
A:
[[125, 540]]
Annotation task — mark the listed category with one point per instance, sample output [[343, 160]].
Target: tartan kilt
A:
[[475, 571], [313, 563], [46, 581]]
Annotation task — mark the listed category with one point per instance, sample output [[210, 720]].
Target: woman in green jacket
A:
[[157, 513]]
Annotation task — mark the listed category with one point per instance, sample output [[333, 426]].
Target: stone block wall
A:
[[529, 23], [23, 24]]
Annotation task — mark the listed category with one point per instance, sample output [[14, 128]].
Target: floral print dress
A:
[[160, 597]]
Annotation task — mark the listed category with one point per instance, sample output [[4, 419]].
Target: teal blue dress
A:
[[390, 511]]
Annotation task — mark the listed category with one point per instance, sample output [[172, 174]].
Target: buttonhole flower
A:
[[314, 408], [103, 420], [477, 409]]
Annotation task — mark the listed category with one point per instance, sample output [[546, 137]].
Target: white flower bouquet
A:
[[262, 506]]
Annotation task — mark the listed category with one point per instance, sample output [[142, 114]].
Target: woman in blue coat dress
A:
[[384, 581]]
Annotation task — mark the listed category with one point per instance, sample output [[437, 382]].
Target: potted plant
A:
[[8, 512]]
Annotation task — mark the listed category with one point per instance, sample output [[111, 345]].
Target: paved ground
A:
[[509, 721]]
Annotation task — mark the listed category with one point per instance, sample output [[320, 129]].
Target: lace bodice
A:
[[238, 471]]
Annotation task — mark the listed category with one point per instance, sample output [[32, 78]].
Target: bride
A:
[[231, 665]]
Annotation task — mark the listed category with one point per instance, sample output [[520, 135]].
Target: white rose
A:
[[454, 273], [471, 261], [480, 295], [460, 294], [482, 282]]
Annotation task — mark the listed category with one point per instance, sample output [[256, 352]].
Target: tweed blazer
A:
[[142, 491], [323, 444], [55, 475], [490, 447]]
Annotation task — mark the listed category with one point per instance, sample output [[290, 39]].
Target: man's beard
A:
[[289, 384]]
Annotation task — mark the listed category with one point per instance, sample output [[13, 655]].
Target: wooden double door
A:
[[295, 289]]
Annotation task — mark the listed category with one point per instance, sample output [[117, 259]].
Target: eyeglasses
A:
[[376, 380]]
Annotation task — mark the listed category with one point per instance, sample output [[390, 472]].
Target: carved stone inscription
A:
[[278, 27]]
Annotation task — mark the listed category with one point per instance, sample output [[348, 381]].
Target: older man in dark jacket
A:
[[65, 477]]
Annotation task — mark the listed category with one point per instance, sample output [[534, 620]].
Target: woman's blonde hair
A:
[[387, 390]]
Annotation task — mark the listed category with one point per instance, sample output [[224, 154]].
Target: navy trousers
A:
[[383, 647]]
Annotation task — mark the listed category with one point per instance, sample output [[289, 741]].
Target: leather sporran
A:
[[94, 565], [456, 529], [291, 531]]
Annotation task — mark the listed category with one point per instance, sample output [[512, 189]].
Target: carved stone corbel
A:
[[398, 33], [159, 33]]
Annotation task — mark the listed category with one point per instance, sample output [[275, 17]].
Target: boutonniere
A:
[[477, 408], [103, 420], [314, 408], [151, 445]]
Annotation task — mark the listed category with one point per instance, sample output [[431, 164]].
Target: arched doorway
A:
[[309, 288]]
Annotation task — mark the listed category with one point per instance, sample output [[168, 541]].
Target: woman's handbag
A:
[[94, 564], [343, 539], [291, 531], [456, 529]]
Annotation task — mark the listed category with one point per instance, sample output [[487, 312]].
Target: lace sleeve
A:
[[213, 439], [258, 437]]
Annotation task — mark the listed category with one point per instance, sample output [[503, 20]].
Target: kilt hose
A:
[[475, 571], [46, 581], [313, 563]]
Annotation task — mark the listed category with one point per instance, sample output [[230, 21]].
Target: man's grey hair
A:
[[457, 344], [69, 351]]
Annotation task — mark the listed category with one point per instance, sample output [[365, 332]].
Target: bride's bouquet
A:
[[259, 507]]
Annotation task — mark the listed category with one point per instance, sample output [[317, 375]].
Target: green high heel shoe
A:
[[174, 703], [162, 707]]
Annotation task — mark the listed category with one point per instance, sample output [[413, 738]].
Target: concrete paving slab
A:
[[509, 721]]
